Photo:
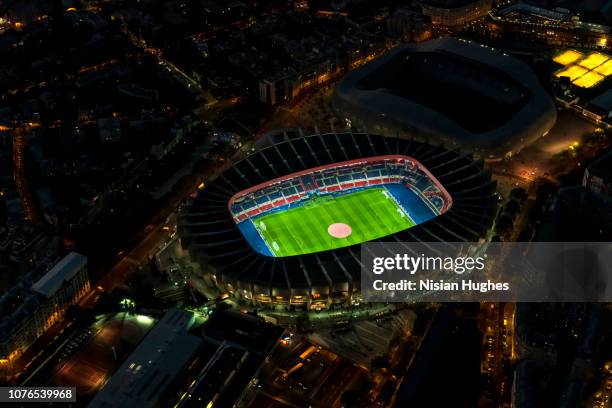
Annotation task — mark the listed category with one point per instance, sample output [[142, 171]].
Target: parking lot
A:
[[92, 355]]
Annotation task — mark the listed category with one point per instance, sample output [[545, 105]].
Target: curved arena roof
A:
[[209, 232], [452, 90]]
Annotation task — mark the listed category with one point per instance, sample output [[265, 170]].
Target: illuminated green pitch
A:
[[325, 222]]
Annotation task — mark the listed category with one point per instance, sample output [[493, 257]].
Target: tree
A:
[[519, 194], [302, 323], [381, 361], [512, 208], [504, 225], [349, 398]]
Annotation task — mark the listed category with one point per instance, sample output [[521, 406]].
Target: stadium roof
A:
[[471, 77], [150, 369], [62, 272]]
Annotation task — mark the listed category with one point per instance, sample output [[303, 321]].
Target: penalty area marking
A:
[[339, 230]]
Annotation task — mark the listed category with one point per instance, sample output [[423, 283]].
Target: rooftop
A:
[[18, 240], [603, 101], [242, 331], [150, 369], [17, 305], [558, 16], [450, 4], [63, 271]]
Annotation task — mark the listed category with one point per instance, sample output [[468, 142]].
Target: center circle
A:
[[339, 230]]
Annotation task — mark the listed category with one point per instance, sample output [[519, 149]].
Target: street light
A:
[[127, 304]]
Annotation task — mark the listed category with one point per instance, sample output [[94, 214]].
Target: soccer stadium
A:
[[283, 226], [337, 205], [461, 93]]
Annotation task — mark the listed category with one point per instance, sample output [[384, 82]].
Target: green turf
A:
[[303, 229]]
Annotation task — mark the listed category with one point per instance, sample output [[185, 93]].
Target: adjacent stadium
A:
[[283, 226], [461, 93]]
